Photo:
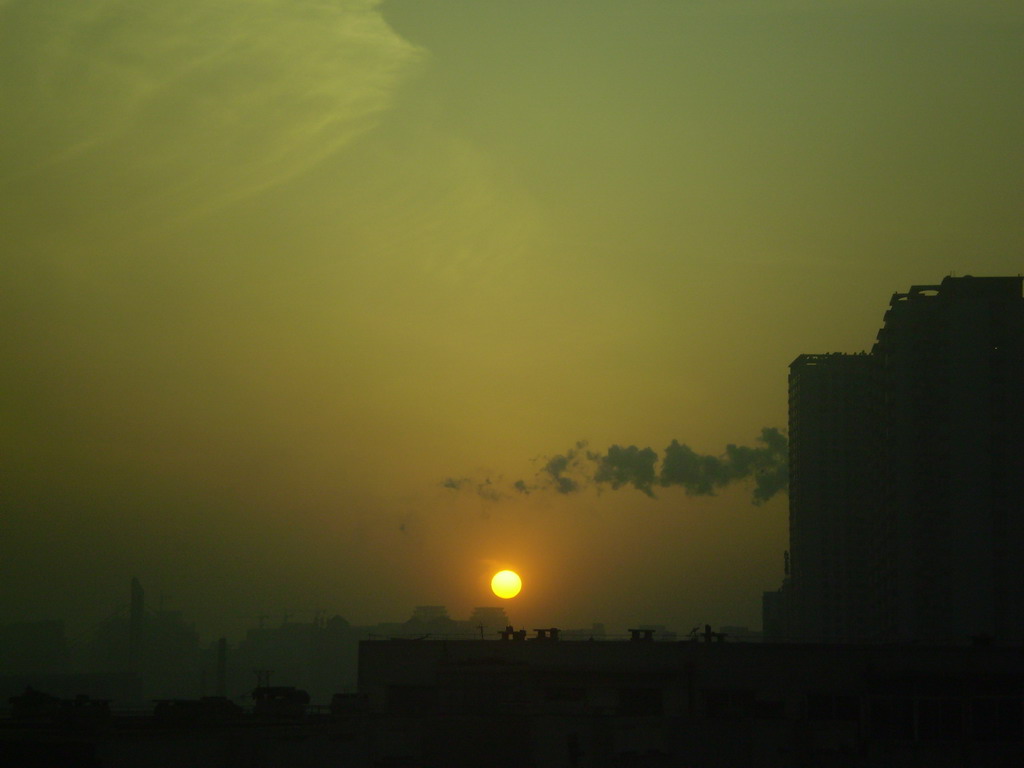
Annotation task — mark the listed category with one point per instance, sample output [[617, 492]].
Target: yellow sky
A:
[[272, 271]]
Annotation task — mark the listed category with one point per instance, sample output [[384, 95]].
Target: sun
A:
[[506, 584]]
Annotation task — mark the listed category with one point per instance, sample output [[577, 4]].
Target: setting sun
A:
[[506, 584]]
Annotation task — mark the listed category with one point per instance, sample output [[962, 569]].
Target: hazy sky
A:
[[275, 270]]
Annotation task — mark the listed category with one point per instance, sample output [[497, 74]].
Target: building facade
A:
[[830, 408], [907, 475], [544, 702]]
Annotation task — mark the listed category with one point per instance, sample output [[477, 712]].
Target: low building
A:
[[592, 703]]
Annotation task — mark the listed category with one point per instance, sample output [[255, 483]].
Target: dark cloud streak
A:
[[702, 475], [766, 464], [628, 466]]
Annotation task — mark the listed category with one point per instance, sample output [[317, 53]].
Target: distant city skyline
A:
[[155, 604], [144, 652]]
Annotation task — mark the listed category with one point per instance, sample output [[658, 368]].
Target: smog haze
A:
[[345, 306]]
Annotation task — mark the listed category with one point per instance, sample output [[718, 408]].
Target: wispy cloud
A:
[[191, 104]]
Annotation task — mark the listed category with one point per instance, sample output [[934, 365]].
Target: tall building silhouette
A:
[[907, 475], [830, 454]]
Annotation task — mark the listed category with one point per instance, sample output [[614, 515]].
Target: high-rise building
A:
[[830, 453], [907, 474]]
